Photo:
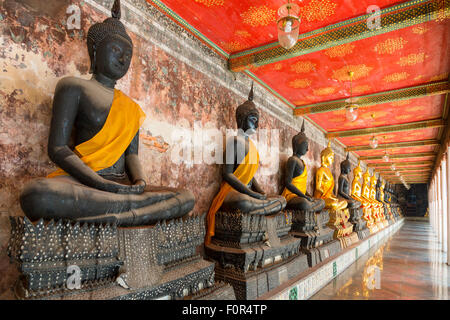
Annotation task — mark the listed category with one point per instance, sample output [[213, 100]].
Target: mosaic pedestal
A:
[[66, 260], [246, 248], [359, 225], [316, 237]]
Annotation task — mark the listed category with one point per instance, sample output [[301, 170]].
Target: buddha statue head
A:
[[366, 178], [345, 165], [300, 142], [247, 116], [357, 172], [327, 156], [110, 47]]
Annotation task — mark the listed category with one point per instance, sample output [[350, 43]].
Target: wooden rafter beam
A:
[[377, 98], [387, 129], [400, 156], [392, 18], [401, 170], [398, 164], [396, 145]]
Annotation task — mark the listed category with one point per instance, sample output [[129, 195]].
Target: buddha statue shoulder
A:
[[100, 179], [240, 190], [296, 177], [325, 181], [366, 188], [344, 185]]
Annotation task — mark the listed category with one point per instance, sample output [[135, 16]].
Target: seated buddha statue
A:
[[100, 179], [344, 185], [325, 181], [369, 214], [379, 215], [297, 176], [240, 190]]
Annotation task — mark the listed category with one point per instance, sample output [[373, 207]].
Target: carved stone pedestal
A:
[[343, 230], [66, 260], [359, 225], [316, 237], [245, 247]]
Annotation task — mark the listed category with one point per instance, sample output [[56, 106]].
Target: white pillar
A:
[[444, 203], [448, 204], [438, 202]]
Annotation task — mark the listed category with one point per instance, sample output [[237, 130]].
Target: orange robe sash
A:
[[107, 146], [299, 182], [245, 173]]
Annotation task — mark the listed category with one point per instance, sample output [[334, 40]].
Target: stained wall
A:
[[178, 82]]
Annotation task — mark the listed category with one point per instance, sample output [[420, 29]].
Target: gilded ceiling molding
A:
[[396, 145], [396, 17], [398, 164], [438, 123], [399, 156], [377, 98]]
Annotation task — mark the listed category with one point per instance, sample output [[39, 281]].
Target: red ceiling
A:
[[400, 112], [398, 59], [236, 25], [386, 62]]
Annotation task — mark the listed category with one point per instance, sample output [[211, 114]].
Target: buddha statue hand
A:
[[114, 187], [257, 195]]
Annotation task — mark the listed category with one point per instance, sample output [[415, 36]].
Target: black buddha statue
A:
[[240, 190], [101, 179], [297, 176], [344, 185]]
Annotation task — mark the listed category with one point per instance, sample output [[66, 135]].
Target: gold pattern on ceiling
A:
[[420, 29], [242, 34], [324, 91], [210, 3], [439, 77], [317, 10], [412, 59], [397, 76], [400, 103], [415, 109], [277, 66], [299, 83], [232, 46], [359, 71], [362, 89], [259, 16], [390, 45], [340, 51], [303, 67]]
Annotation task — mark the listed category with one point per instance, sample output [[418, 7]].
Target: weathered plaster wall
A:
[[176, 80]]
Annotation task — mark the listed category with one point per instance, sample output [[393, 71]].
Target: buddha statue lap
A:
[[101, 180]]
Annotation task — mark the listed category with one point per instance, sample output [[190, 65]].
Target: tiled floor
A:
[[408, 265]]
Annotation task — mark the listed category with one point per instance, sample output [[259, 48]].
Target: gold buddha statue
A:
[[383, 197], [369, 212], [325, 182], [377, 205]]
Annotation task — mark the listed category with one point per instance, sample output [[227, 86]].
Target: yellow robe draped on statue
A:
[[245, 173], [299, 182], [107, 146], [328, 186]]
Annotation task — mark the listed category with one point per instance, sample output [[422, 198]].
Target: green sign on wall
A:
[[293, 293], [334, 269]]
